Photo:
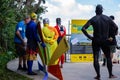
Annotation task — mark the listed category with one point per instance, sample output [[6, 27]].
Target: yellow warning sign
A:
[[81, 57]]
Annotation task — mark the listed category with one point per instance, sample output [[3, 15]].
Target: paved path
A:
[[70, 71]]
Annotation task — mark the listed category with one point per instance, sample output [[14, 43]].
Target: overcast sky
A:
[[79, 9]]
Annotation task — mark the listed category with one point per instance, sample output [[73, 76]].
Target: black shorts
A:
[[20, 49]]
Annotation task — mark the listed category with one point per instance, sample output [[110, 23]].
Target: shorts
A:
[[113, 48], [31, 54], [20, 49]]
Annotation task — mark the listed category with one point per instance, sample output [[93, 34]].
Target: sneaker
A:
[[61, 66], [32, 73], [19, 67], [24, 69]]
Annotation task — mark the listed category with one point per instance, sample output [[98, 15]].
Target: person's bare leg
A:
[[62, 60], [24, 63], [20, 63]]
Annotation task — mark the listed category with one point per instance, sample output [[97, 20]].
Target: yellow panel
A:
[[81, 57], [79, 22], [62, 48]]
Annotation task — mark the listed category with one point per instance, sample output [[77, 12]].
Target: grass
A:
[[6, 74]]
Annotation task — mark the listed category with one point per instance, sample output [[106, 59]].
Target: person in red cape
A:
[[62, 32]]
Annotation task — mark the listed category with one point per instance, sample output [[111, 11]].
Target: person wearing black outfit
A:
[[113, 43], [100, 40]]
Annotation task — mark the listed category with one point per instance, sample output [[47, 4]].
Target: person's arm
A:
[[56, 34], [57, 28], [84, 29], [114, 27], [19, 35], [18, 29]]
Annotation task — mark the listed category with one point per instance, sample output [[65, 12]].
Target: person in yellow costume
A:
[[50, 36]]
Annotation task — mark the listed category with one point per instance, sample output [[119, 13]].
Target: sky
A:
[[79, 9]]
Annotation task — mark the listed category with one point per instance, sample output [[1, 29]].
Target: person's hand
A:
[[52, 41], [23, 43], [43, 45], [110, 39], [91, 38]]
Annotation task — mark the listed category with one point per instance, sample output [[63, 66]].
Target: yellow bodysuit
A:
[[50, 36]]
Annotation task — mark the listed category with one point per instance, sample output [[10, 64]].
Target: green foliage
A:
[[41, 9], [12, 11], [6, 74], [8, 22]]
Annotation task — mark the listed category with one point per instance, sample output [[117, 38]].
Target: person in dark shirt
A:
[[100, 40], [113, 42]]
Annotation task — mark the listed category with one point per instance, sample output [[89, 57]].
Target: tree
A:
[[12, 11]]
